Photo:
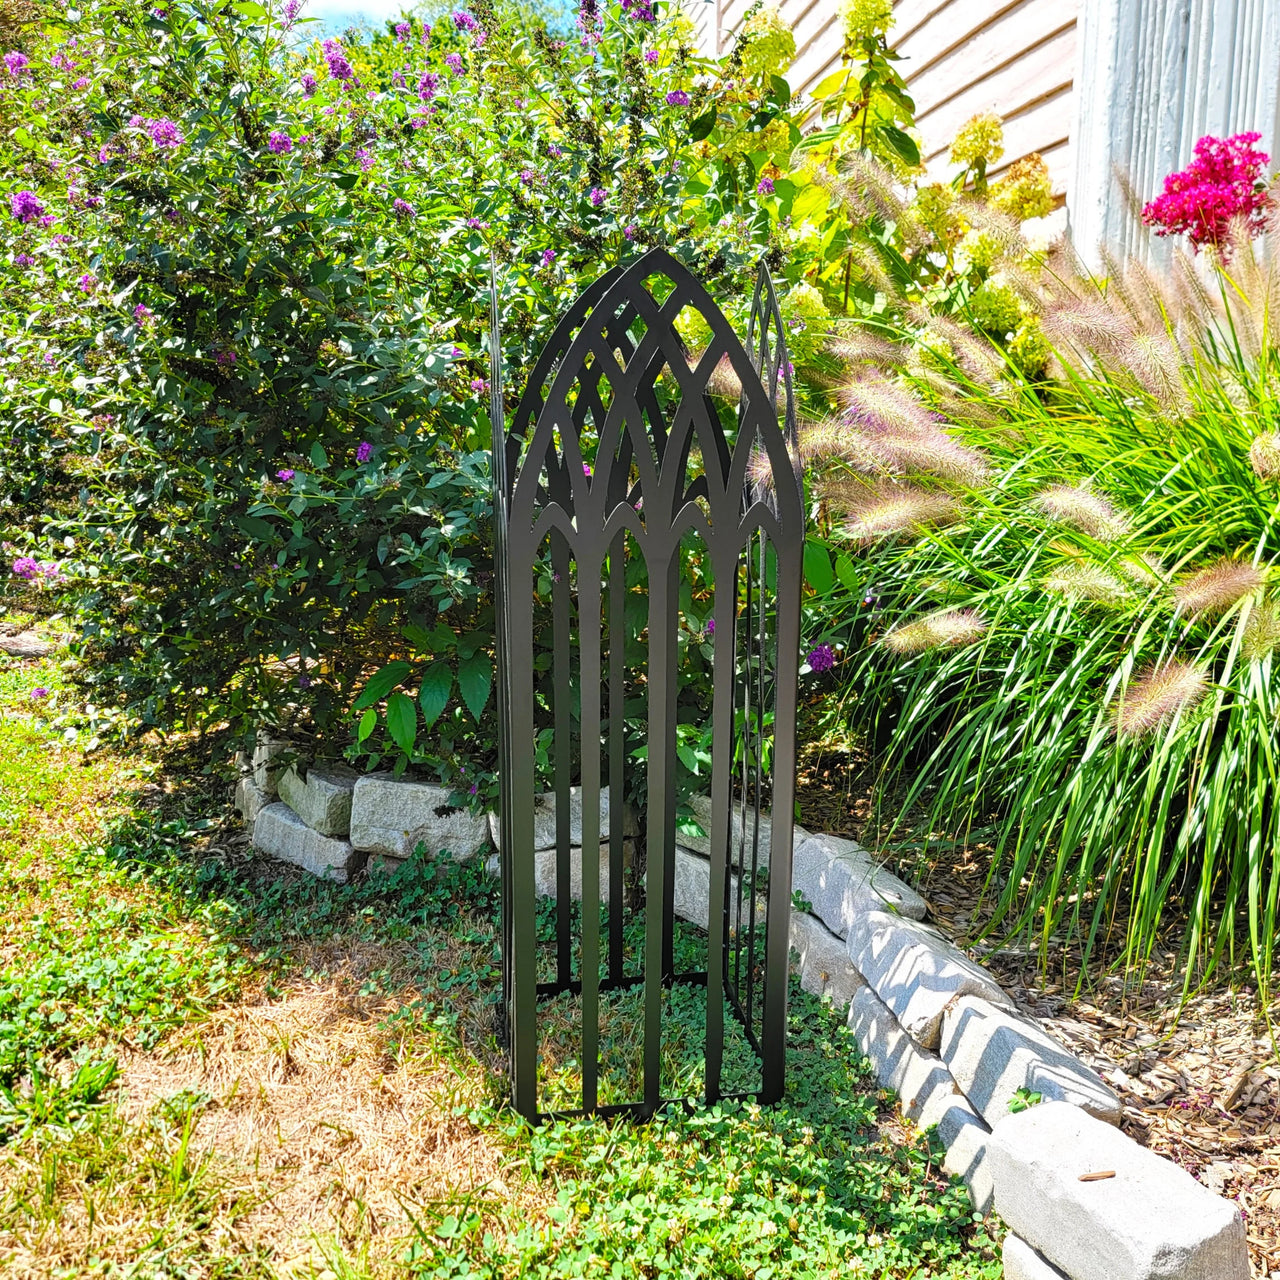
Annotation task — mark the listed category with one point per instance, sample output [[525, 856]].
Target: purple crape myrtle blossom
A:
[[527, 176], [454, 61], [651, 56], [164, 133], [397, 79], [23, 260], [677, 98], [821, 659], [403, 31], [88, 282], [27, 568], [402, 208], [39, 692], [291, 10], [711, 626], [336, 60], [142, 313], [226, 358], [630, 230], [427, 86], [82, 83], [16, 63], [480, 385], [553, 150], [365, 157], [464, 21], [364, 451], [597, 196], [765, 186], [308, 84], [479, 39], [426, 32], [279, 143], [25, 206], [548, 257], [639, 10], [285, 474]]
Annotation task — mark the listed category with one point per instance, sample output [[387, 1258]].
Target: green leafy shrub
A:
[[247, 289]]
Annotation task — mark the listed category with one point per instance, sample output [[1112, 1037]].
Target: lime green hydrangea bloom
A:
[[1029, 349], [994, 307], [982, 249], [980, 138], [770, 47], [864, 19], [1026, 191]]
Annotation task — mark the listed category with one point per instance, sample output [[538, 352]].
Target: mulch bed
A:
[[1199, 1079]]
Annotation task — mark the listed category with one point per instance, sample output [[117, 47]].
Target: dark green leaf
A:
[[817, 567], [475, 678], [437, 683], [402, 721], [382, 682], [903, 143], [703, 125]]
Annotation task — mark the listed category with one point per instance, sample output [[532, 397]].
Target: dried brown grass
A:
[[330, 1126]]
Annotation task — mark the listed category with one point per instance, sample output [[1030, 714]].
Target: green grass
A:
[[132, 931]]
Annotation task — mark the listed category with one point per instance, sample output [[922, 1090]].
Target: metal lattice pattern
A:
[[615, 465]]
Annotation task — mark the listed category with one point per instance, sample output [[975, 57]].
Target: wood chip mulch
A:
[[1199, 1079]]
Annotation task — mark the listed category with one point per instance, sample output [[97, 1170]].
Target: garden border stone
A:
[[823, 961], [992, 1054], [1022, 1262], [393, 816], [916, 972], [322, 799], [1148, 1220], [544, 820], [843, 881], [281, 833]]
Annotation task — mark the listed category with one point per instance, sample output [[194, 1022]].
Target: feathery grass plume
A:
[[1133, 291], [1261, 633], [875, 182], [934, 453], [858, 347], [1264, 455], [948, 629], [1083, 509], [886, 510], [1215, 589], [1157, 696], [833, 439], [884, 402], [724, 380], [1195, 300], [1157, 365], [1086, 582], [1090, 326], [975, 356]]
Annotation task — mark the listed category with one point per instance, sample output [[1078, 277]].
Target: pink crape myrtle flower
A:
[[1225, 180]]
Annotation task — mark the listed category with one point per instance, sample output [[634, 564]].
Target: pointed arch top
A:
[[592, 431]]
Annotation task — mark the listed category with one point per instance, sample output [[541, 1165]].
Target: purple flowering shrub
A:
[[245, 364]]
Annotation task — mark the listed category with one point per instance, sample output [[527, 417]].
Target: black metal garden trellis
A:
[[617, 462]]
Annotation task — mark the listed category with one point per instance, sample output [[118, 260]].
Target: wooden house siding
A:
[[959, 57]]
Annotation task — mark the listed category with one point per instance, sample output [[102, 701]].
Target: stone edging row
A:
[[1083, 1201]]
